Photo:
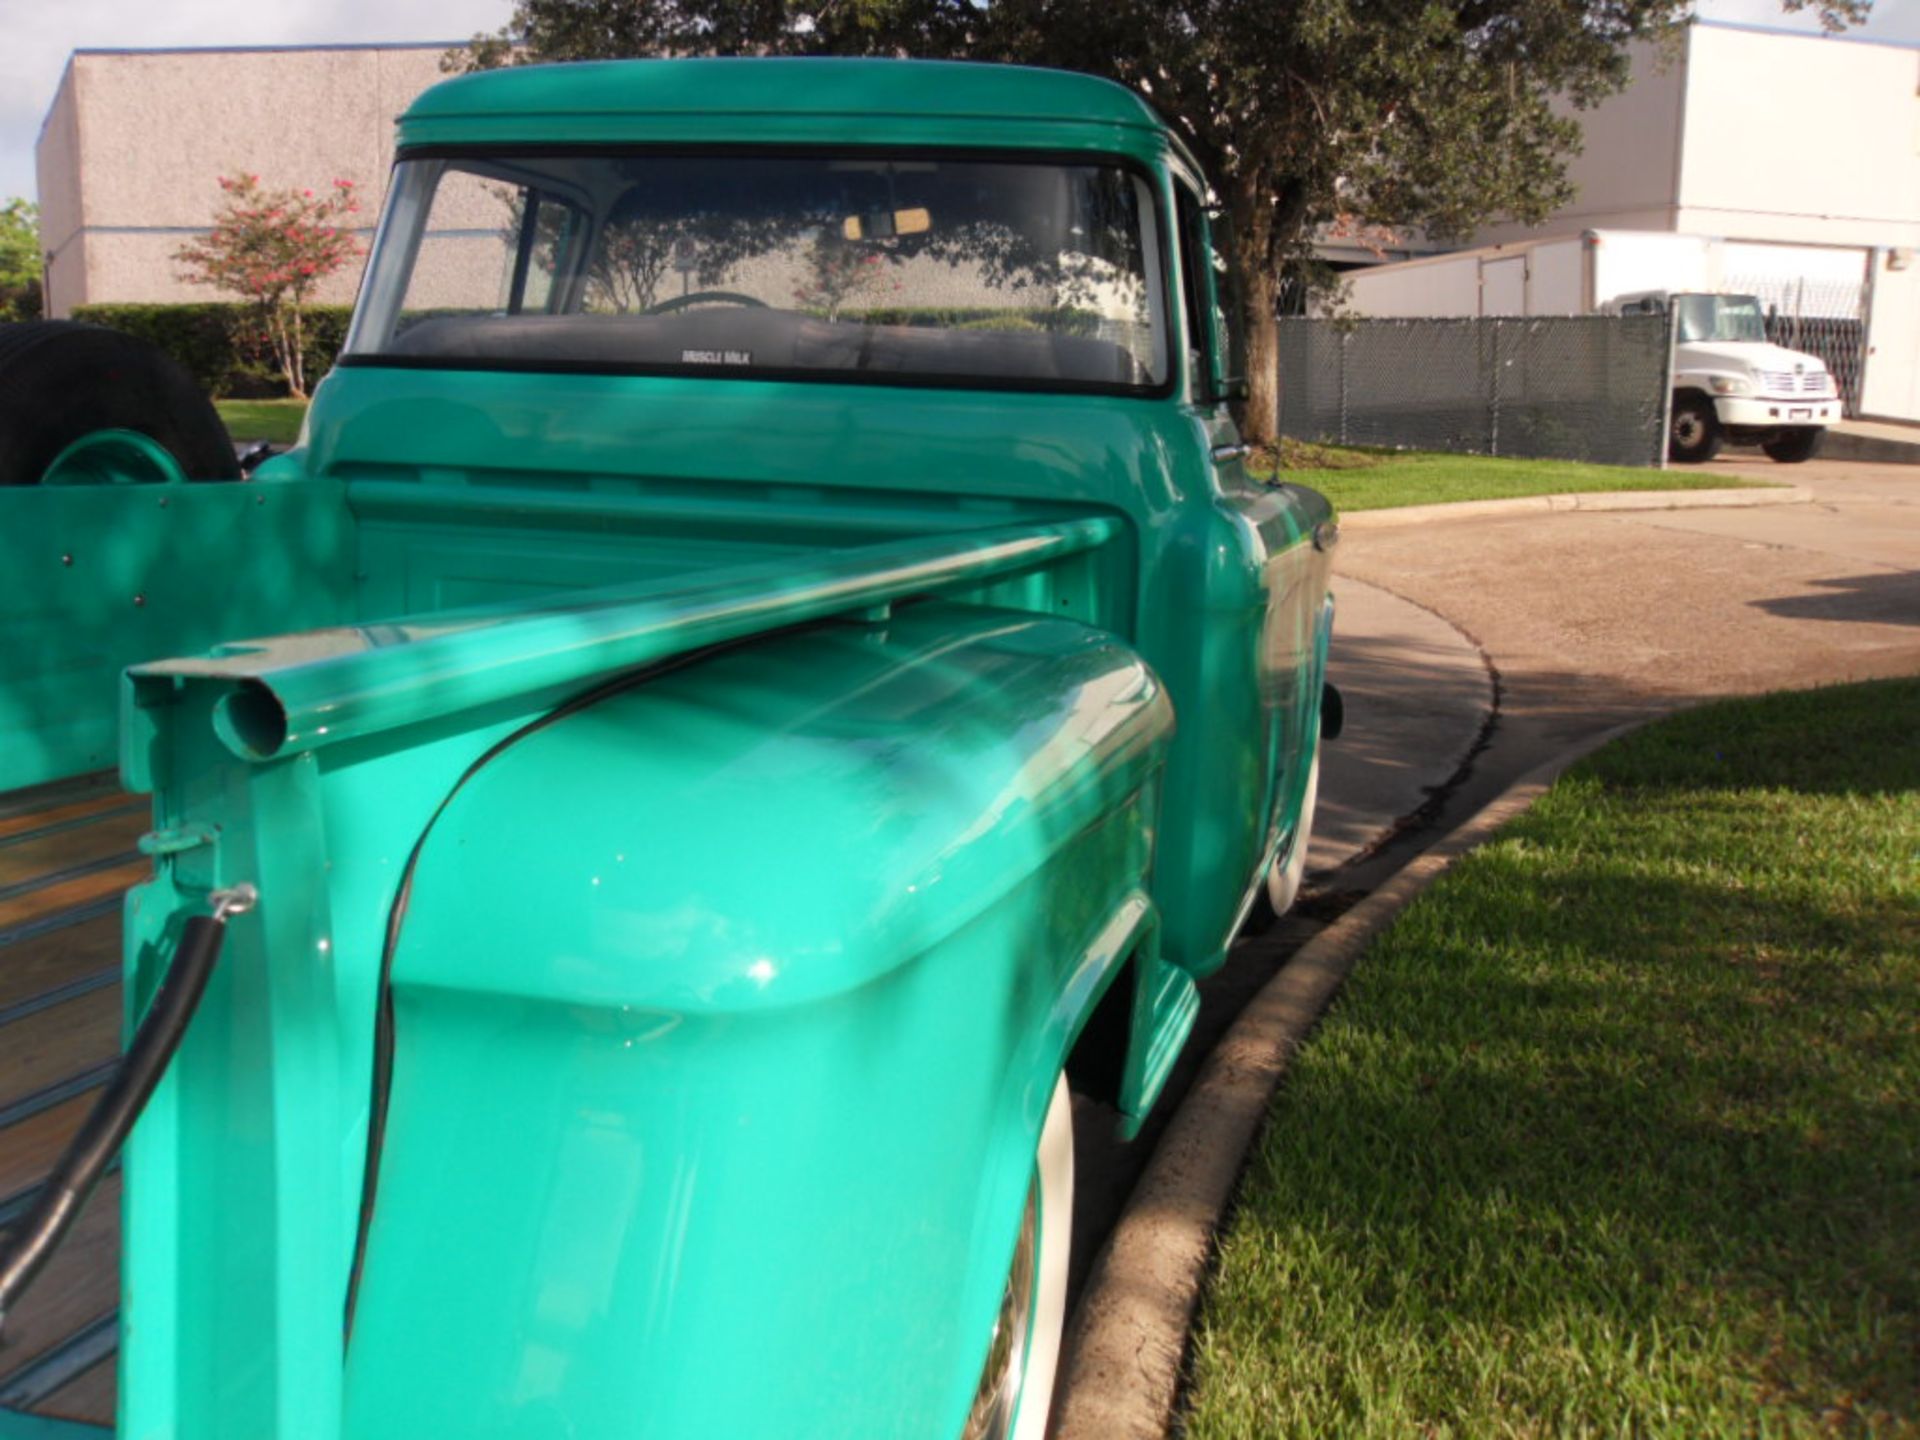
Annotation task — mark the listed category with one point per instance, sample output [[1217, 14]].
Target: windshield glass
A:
[[963, 271], [1719, 317]]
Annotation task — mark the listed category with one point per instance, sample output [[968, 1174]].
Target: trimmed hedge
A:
[[208, 339], [1064, 319]]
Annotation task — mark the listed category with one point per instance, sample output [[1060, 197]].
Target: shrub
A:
[[210, 340]]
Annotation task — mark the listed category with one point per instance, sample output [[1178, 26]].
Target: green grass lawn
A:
[[1616, 1132], [1384, 479], [274, 420]]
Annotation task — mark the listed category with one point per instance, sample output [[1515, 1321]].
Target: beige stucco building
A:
[[132, 149]]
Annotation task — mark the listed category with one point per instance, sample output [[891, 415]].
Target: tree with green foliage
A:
[[1436, 114], [19, 260]]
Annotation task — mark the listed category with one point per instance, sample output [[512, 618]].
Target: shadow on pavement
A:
[[1885, 597]]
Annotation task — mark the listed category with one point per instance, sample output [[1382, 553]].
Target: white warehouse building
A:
[[1797, 156]]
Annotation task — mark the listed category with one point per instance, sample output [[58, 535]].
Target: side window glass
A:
[[546, 231], [1195, 265], [1229, 305]]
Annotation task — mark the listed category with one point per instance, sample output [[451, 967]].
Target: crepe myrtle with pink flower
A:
[[273, 248]]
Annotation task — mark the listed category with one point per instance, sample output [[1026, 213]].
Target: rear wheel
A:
[[1016, 1384], [1790, 447], [1694, 435], [62, 384]]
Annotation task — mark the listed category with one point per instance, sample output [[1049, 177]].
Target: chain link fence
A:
[[1823, 318], [1567, 388]]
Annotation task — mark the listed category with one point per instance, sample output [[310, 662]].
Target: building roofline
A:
[[66, 70], [269, 49], [1843, 36]]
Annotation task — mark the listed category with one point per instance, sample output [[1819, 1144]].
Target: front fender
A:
[[725, 1016]]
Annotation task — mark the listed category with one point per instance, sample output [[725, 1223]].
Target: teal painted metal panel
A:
[[792, 101], [787, 1021], [96, 577], [1214, 576]]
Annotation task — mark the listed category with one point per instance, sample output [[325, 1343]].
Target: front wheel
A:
[[1016, 1384], [1790, 447], [1283, 881], [1694, 436]]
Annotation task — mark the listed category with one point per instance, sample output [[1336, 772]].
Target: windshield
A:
[[956, 271], [1719, 317]]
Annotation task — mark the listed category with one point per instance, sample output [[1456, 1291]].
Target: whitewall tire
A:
[[1016, 1384], [1283, 880]]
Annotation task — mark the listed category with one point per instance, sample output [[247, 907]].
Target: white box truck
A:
[[1729, 382]]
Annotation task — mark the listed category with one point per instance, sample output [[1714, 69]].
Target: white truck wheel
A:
[[1016, 1384], [1283, 881]]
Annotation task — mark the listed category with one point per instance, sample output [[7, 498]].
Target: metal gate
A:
[[1822, 317]]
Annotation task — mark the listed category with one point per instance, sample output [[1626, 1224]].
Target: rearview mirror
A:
[[885, 225]]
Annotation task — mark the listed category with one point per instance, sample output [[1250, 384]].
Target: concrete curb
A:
[[1875, 449], [1122, 1366], [1602, 500]]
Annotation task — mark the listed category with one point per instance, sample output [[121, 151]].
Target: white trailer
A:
[[1729, 383]]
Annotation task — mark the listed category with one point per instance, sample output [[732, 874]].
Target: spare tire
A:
[[60, 381]]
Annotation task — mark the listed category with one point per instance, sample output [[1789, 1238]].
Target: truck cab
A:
[[766, 666], [1730, 383]]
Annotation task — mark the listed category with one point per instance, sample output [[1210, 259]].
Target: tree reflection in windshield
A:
[[1030, 270]]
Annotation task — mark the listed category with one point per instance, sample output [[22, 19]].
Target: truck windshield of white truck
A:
[[1024, 273], [1719, 317]]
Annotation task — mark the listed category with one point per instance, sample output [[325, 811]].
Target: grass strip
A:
[[1616, 1132], [276, 421], [1383, 479]]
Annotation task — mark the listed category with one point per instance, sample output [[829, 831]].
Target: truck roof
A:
[[776, 100]]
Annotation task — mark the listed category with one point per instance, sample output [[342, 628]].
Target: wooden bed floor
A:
[[66, 855]]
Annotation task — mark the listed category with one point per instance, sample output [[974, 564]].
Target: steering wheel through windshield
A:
[[705, 297]]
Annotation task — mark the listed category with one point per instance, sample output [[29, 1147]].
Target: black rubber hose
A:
[[80, 1167]]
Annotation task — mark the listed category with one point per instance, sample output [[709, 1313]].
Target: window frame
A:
[[1220, 377], [1155, 238]]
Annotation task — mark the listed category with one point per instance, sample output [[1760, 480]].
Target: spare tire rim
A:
[[114, 457]]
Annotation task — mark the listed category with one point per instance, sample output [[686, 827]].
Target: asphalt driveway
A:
[[1596, 618]]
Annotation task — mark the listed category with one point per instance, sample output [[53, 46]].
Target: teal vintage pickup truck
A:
[[765, 666]]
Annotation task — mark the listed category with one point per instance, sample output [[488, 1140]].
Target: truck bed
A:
[[66, 854]]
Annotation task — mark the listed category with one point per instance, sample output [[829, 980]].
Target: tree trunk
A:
[[1252, 215], [1260, 425], [297, 354]]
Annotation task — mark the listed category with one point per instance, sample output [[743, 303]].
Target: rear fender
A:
[[726, 1013]]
